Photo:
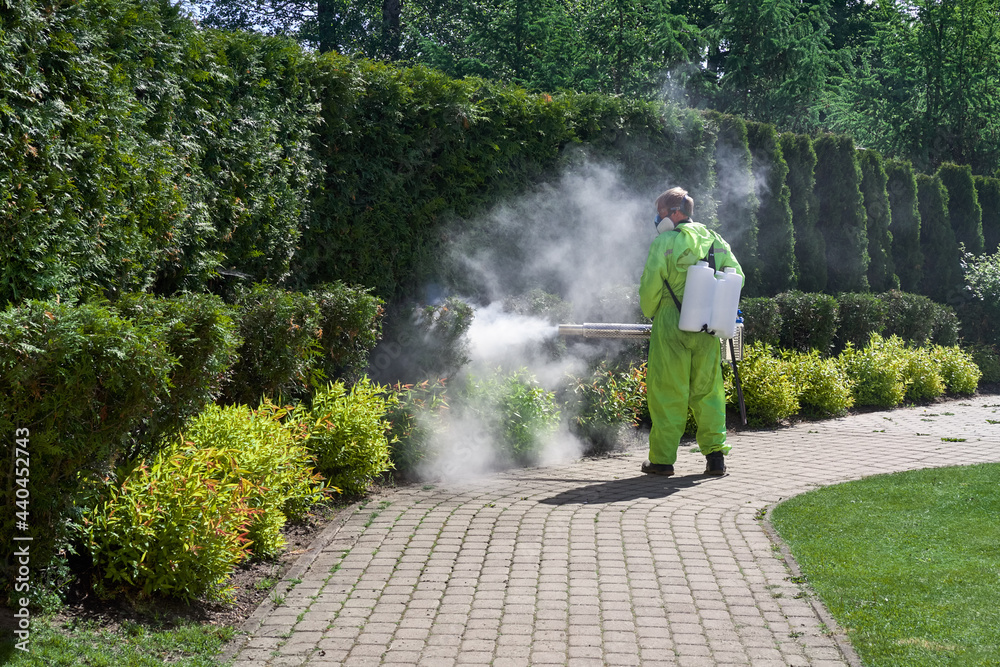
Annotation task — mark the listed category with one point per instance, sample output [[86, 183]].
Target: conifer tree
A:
[[735, 193], [810, 249], [842, 219], [908, 260], [775, 235], [881, 272], [964, 212], [942, 271], [988, 192]]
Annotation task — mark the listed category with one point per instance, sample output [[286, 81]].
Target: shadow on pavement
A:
[[627, 488]]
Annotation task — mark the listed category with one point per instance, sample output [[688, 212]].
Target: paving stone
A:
[[591, 562]]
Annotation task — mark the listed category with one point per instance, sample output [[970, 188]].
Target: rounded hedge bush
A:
[[769, 391]]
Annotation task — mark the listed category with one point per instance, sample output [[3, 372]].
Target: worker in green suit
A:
[[684, 367]]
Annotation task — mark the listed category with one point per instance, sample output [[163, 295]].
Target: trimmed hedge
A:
[[842, 217], [808, 321], [988, 193], [942, 272], [881, 270], [907, 257], [810, 248], [775, 233], [79, 380], [964, 211]]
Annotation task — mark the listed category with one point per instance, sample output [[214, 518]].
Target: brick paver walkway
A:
[[593, 563]]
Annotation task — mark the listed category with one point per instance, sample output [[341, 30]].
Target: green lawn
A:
[[908, 564], [130, 646]]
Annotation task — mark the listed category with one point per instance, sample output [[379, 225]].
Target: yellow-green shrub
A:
[[824, 388], [216, 495], [877, 371], [960, 372], [170, 528], [922, 374], [268, 456], [768, 390], [346, 432]]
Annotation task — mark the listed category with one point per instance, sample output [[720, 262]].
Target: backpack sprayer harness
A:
[[710, 260]]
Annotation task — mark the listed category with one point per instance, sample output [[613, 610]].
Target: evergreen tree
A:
[[964, 212], [810, 249], [842, 219], [908, 260], [929, 89], [734, 191], [881, 272], [942, 272], [775, 235], [988, 192], [773, 60]]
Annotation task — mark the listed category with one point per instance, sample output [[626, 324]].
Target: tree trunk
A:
[[326, 17], [391, 28]]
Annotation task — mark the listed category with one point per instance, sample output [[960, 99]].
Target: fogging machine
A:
[[732, 352]]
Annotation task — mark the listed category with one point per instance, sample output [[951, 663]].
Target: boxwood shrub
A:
[[808, 321]]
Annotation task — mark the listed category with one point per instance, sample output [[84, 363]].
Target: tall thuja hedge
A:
[[964, 211], [942, 270], [735, 193], [810, 248], [140, 153], [775, 234], [408, 150], [881, 271], [988, 193], [841, 213], [87, 202], [907, 258]]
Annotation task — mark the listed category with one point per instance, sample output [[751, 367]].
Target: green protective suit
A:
[[684, 367]]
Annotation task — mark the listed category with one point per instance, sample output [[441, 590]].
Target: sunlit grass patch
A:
[[907, 563], [129, 645]]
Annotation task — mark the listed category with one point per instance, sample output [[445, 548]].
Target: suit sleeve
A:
[[651, 284]]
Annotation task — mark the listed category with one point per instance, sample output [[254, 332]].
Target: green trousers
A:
[[684, 371]]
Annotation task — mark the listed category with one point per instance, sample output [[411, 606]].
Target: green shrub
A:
[[216, 495], [981, 314], [351, 321], [823, 387], [516, 410], [922, 374], [769, 391], [761, 321], [425, 343], [608, 401], [918, 320], [876, 372], [809, 321], [170, 527], [987, 360], [80, 381], [267, 456], [413, 415], [346, 431], [859, 316], [959, 369], [281, 345], [198, 329]]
